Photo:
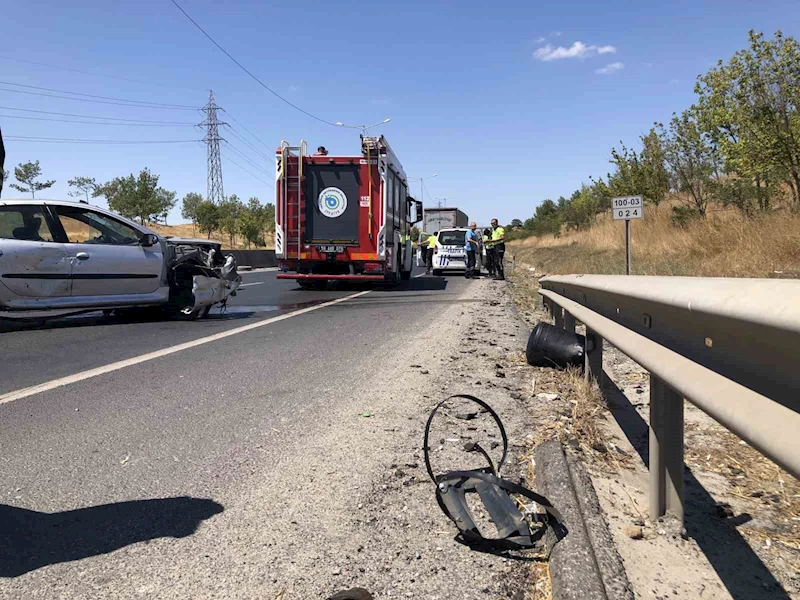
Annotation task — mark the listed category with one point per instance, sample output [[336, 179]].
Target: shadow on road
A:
[[417, 284], [30, 540], [738, 566]]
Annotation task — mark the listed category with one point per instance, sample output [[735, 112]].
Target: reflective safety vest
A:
[[432, 242], [498, 234]]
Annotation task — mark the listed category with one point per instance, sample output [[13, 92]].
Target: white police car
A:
[[450, 254]]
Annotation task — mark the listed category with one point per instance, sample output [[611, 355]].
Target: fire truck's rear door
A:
[[332, 204]]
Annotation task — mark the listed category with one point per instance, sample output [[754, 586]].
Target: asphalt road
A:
[[36, 353], [93, 471]]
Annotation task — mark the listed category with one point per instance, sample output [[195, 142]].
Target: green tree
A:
[[749, 106], [692, 160], [189, 206], [27, 174], [168, 200], [516, 223], [655, 182], [626, 179], [251, 223], [546, 219], [83, 186], [269, 216], [230, 210], [137, 197], [207, 214]]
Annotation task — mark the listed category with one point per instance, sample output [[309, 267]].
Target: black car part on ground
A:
[[513, 526], [550, 346]]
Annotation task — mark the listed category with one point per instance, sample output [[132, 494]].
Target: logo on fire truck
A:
[[332, 202]]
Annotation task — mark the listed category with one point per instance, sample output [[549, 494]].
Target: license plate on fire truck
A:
[[337, 249]]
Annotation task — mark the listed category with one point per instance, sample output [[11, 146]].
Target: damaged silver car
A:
[[71, 256]]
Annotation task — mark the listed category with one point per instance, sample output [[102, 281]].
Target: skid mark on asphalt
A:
[[62, 381]]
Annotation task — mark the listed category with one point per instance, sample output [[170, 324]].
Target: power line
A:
[[248, 172], [425, 188], [128, 104], [253, 135], [248, 144], [83, 141], [60, 114], [92, 122], [246, 158], [243, 68], [153, 104], [61, 68]]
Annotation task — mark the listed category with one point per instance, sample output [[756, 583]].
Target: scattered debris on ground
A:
[[508, 523]]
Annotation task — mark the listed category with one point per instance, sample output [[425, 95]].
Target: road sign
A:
[[627, 207]]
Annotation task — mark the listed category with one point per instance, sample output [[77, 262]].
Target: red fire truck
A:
[[343, 217]]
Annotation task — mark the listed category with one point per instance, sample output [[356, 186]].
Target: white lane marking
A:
[[56, 383], [244, 285], [262, 270]]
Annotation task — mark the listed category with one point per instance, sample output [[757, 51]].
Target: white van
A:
[[450, 254]]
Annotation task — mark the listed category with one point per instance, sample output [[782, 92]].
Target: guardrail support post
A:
[[569, 322], [666, 450], [558, 316], [593, 358]]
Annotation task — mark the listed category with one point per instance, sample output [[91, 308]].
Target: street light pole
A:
[[364, 128]]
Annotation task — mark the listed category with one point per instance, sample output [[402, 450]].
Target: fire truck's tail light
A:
[[373, 268]]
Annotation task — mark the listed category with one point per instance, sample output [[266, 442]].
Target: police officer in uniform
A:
[[487, 246], [431, 241], [498, 249]]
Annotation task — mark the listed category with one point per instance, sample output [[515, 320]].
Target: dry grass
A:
[[725, 244], [586, 419], [752, 476]]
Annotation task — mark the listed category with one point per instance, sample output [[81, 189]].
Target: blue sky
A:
[[504, 101]]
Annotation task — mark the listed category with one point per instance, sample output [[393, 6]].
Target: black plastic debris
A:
[[515, 529], [550, 346]]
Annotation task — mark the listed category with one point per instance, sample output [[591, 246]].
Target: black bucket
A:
[[551, 346]]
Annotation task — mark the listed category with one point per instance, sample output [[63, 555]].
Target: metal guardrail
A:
[[731, 347]]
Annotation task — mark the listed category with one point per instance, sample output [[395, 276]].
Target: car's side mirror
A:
[[148, 239]]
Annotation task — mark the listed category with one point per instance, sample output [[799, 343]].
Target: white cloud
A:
[[577, 50], [611, 68], [555, 34], [539, 40]]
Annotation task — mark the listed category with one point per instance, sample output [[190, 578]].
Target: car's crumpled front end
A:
[[199, 272]]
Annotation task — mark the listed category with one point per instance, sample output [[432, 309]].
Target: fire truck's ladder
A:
[[292, 191]]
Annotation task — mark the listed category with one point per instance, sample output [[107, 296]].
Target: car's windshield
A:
[[451, 238]]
